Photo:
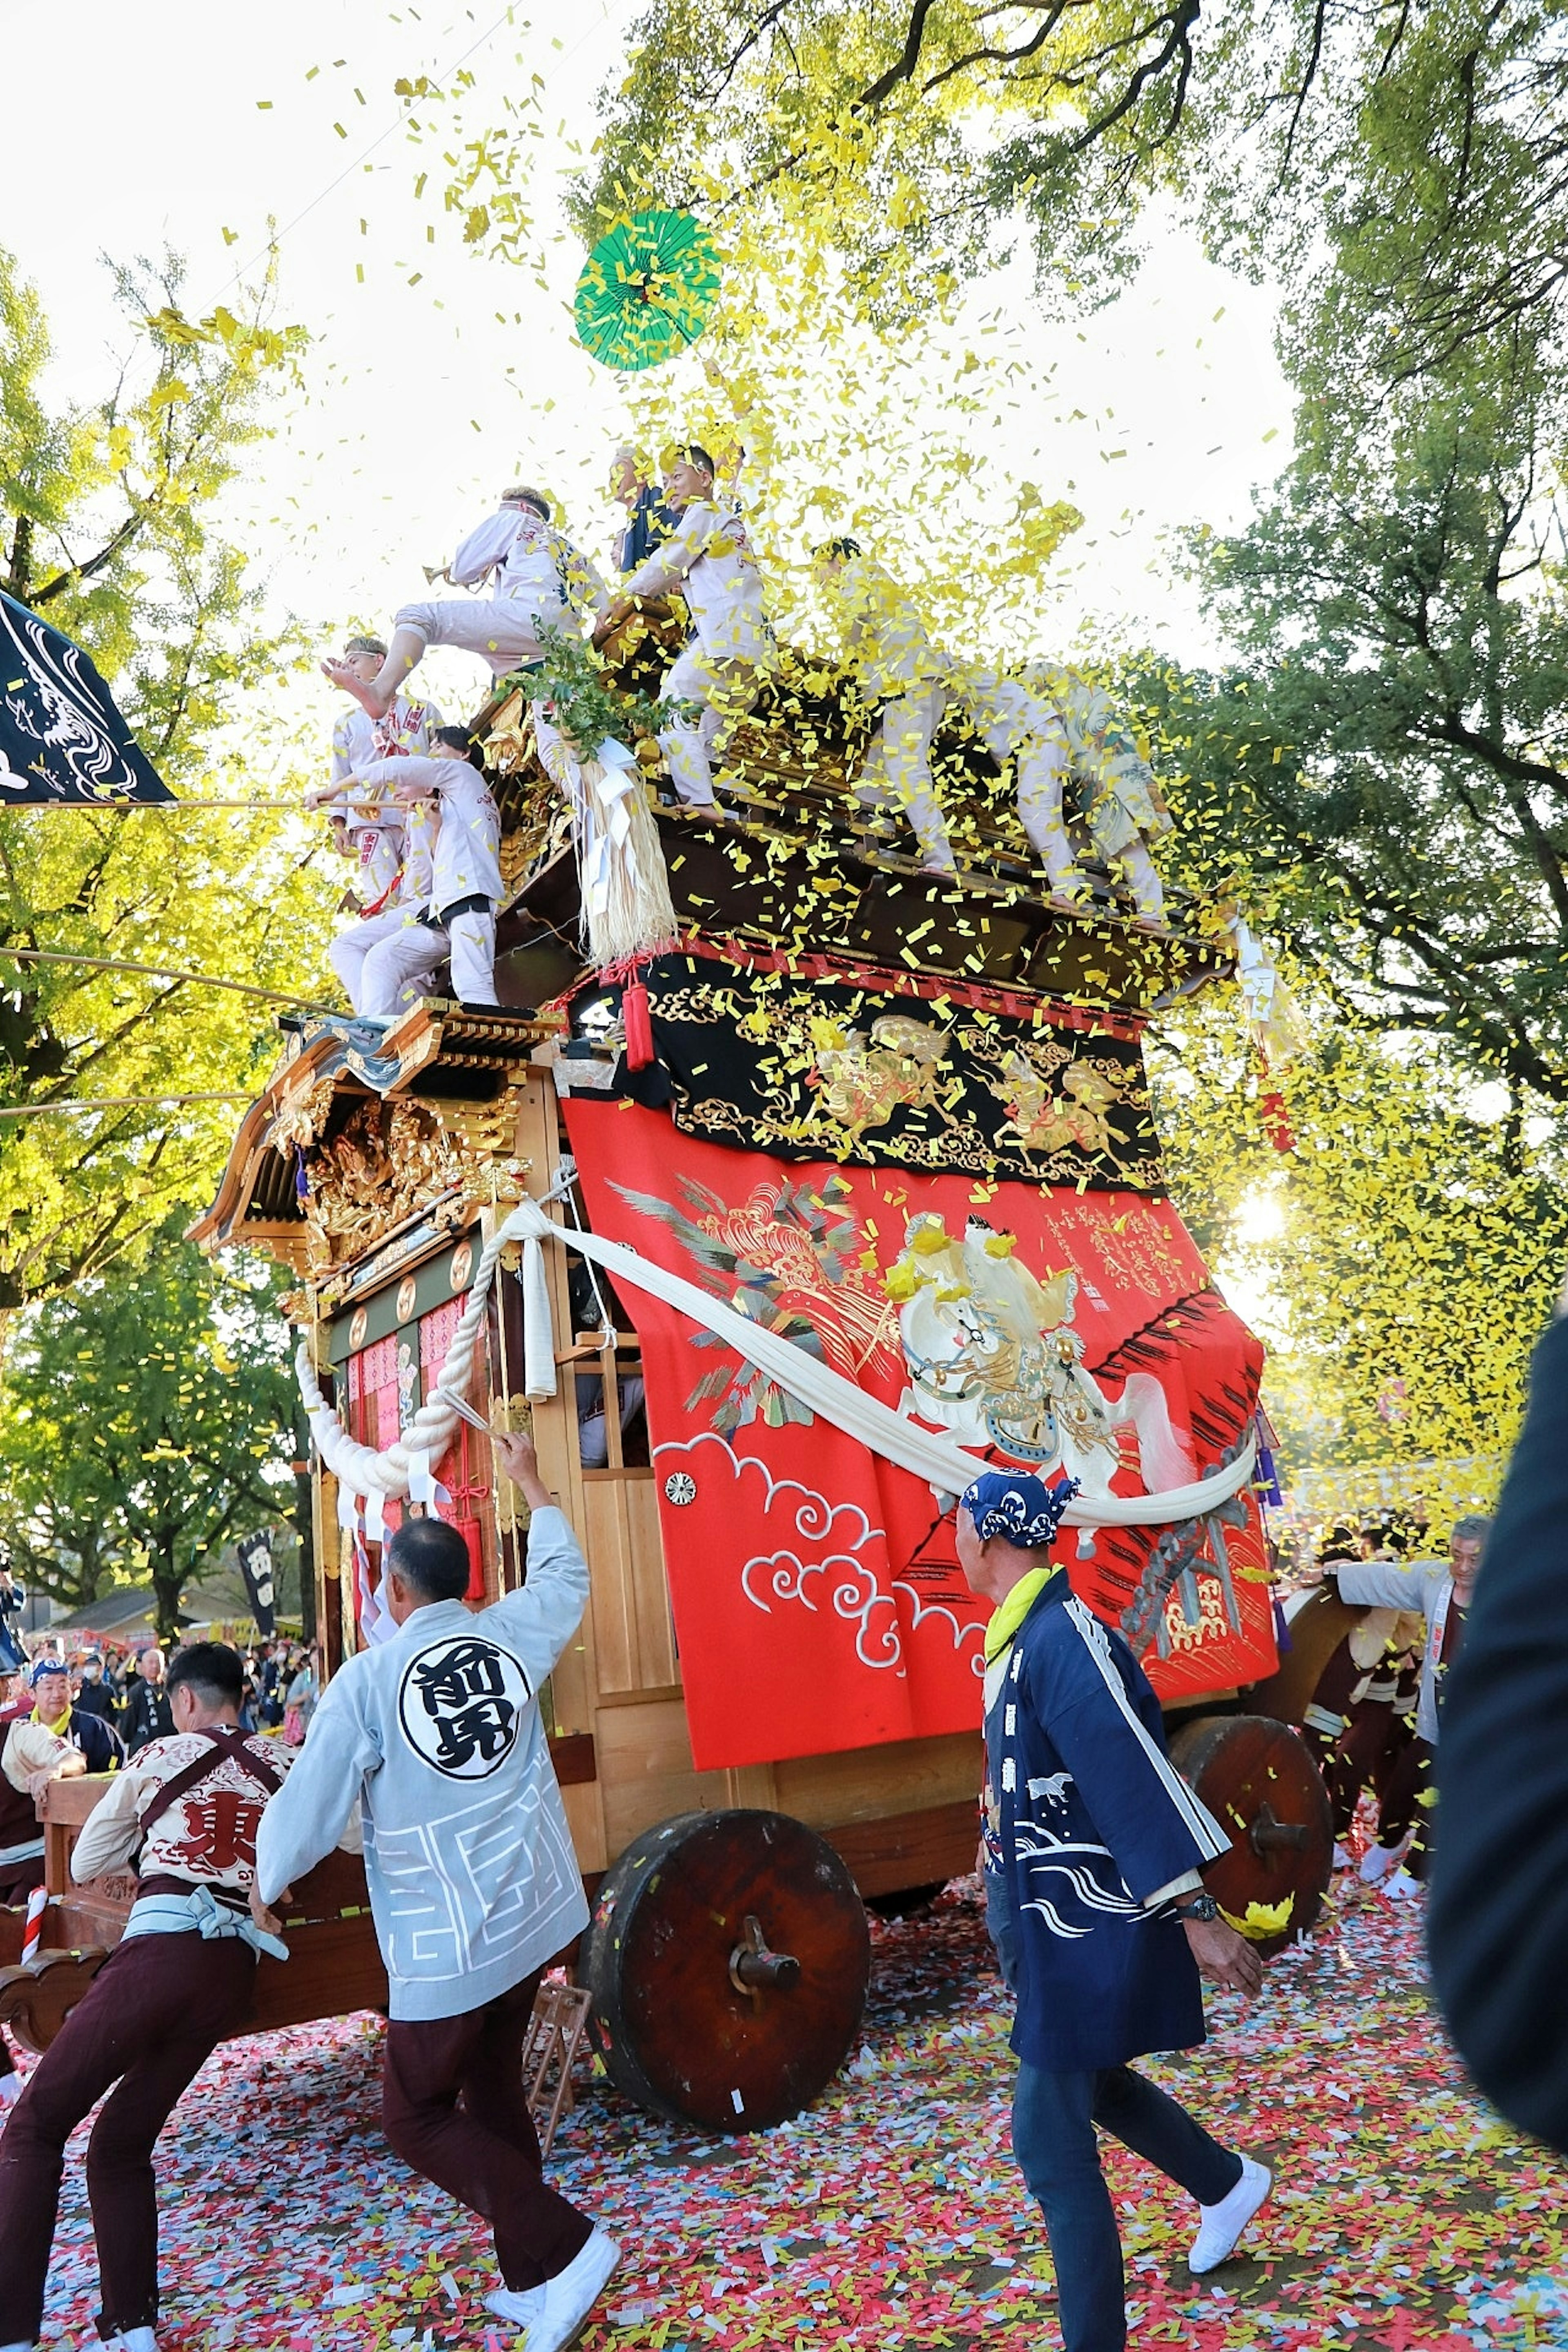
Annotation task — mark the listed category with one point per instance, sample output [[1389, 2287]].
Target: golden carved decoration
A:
[[390, 1159], [300, 1120]]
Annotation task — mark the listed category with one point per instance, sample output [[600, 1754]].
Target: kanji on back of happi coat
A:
[[951, 1195]]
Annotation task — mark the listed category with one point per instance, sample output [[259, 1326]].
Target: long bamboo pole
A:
[[161, 971], [115, 1102]]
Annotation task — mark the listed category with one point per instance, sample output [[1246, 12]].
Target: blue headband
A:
[[1022, 1510], [46, 1665]]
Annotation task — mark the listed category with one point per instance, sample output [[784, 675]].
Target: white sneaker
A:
[[1344, 1857], [520, 2306], [1401, 1886], [571, 2295], [1221, 2225], [1377, 1862]]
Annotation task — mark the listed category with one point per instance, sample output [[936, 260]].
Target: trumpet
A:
[[434, 572]]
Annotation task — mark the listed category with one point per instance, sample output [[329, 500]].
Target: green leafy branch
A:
[[586, 707]]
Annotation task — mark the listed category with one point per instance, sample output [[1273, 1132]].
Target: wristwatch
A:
[[1199, 1906]]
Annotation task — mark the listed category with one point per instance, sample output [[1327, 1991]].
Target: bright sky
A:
[[186, 120]]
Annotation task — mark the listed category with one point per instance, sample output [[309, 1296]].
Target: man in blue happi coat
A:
[[1094, 1847]]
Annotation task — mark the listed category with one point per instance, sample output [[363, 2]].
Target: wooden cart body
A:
[[412, 1146]]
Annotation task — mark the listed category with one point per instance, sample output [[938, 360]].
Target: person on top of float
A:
[[897, 669], [537, 580], [708, 559], [464, 885], [1094, 1847], [373, 828]]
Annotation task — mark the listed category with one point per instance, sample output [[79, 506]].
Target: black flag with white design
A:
[[63, 744], [256, 1566]]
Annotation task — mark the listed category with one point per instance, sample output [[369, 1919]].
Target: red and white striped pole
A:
[[37, 1904]]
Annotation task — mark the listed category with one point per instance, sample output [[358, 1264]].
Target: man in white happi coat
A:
[[708, 559], [896, 666], [373, 827], [459, 917], [474, 1886], [535, 580]]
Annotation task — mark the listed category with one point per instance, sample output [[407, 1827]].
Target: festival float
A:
[[790, 1184]]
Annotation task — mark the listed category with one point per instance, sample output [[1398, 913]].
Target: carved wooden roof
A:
[[357, 1134]]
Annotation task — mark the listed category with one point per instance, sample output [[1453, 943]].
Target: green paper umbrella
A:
[[646, 289]]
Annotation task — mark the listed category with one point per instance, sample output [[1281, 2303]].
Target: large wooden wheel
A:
[[1258, 1779], [728, 1958]]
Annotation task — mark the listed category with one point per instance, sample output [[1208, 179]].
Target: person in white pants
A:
[[1015, 724], [1123, 806], [374, 829], [460, 920], [537, 580], [708, 559], [897, 666], [350, 951]]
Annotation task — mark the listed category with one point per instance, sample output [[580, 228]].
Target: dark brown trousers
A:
[[454, 2107], [149, 2021]]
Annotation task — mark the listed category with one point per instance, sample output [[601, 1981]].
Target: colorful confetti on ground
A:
[[1405, 2215]]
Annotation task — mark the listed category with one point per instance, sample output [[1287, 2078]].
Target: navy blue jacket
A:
[[1496, 1922], [1085, 1820]]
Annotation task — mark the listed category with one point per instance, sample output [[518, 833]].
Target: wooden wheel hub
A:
[[1257, 1779], [728, 1958]]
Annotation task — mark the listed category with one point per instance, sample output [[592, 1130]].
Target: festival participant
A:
[[1124, 808], [178, 1982], [649, 520], [897, 669], [147, 1712], [1372, 1751], [1495, 1929], [54, 1740], [1019, 725], [473, 1883], [407, 907], [93, 1695], [1094, 1846], [707, 558], [458, 919], [21, 1832], [374, 828], [1441, 1591], [537, 580]]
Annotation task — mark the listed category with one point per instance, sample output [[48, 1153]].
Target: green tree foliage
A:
[[1388, 762], [1413, 1247], [111, 527], [1430, 136], [150, 1420]]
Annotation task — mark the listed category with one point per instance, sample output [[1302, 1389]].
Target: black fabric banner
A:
[[256, 1565], [814, 1070], [62, 741]]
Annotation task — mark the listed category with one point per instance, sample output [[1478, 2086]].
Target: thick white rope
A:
[[945, 1467], [366, 1469]]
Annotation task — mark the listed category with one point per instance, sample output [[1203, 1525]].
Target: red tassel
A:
[[1277, 1122], [473, 1537], [638, 1026]]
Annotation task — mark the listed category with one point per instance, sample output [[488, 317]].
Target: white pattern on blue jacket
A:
[[473, 1881]]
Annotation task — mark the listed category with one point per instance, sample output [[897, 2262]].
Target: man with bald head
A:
[[1094, 1850]]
